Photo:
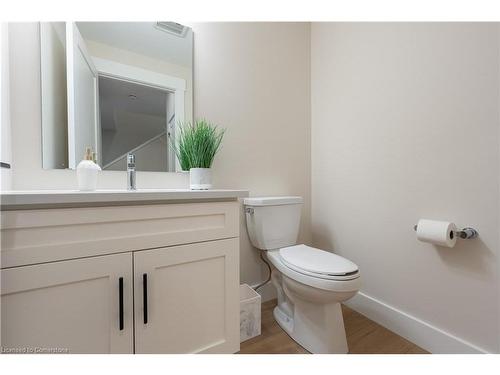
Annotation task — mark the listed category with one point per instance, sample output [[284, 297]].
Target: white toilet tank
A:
[[273, 222]]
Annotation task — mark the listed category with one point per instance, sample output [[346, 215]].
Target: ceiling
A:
[[114, 95], [142, 38]]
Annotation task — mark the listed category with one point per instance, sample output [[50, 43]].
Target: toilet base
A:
[[319, 332], [311, 317], [284, 321]]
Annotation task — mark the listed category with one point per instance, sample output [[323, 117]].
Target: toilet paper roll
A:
[[441, 233]]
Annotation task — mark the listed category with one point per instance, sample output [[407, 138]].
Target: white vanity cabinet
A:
[[149, 278], [185, 298], [74, 306]]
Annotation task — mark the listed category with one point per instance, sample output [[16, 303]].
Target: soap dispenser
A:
[[86, 172]]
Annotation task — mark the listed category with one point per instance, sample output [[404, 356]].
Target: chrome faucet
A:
[[130, 172]]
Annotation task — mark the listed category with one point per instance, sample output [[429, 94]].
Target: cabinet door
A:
[[187, 298], [74, 306]]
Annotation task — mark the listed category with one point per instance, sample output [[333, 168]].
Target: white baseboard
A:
[[267, 292], [415, 330]]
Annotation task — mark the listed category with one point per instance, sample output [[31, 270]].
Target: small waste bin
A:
[[249, 313]]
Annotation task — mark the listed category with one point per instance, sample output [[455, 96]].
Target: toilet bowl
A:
[[309, 307], [310, 283]]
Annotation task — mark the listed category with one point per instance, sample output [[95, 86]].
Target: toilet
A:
[[311, 283]]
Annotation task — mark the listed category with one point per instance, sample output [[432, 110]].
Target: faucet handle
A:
[[131, 161], [130, 172]]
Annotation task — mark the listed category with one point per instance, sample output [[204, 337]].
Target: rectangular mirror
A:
[[117, 87]]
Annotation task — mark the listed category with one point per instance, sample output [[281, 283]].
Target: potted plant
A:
[[195, 146]]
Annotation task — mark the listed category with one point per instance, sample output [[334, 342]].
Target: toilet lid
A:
[[315, 261]]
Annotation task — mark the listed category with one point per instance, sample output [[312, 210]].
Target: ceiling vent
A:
[[172, 28]]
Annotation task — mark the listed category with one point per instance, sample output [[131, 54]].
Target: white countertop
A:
[[33, 199]]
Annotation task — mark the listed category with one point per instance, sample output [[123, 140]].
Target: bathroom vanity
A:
[[120, 272]]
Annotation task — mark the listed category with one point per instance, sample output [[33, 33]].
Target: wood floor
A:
[[364, 336]]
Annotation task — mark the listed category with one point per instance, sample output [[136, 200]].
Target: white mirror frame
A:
[[77, 51]]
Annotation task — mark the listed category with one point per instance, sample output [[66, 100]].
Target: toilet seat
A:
[[346, 285], [318, 263]]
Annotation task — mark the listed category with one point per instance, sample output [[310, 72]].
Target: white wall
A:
[[130, 129], [5, 132], [405, 125], [252, 79]]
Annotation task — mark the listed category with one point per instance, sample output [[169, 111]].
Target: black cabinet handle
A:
[[120, 288], [145, 296]]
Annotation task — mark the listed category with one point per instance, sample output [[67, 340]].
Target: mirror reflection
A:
[[117, 87]]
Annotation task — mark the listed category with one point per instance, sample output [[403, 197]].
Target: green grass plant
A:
[[196, 144]]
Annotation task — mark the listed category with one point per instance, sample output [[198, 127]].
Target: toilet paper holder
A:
[[465, 233]]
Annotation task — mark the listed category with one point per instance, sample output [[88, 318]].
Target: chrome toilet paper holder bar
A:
[[465, 233]]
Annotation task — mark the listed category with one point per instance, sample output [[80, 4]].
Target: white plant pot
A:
[[200, 178]]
